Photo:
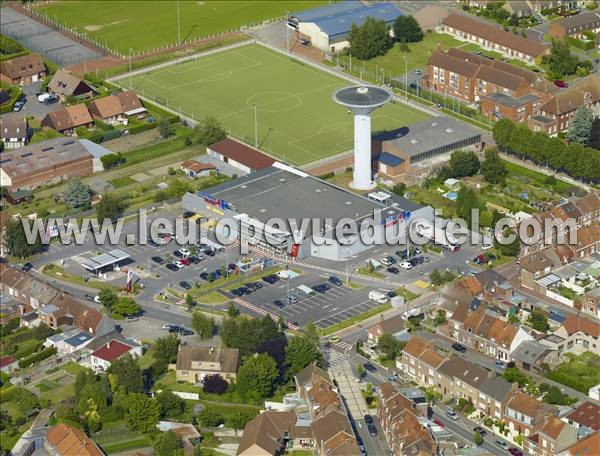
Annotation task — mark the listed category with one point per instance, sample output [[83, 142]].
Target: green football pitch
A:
[[296, 118], [145, 25]]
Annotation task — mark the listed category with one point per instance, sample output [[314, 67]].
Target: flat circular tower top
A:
[[362, 96]]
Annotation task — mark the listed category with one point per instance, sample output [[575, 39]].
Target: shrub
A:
[[46, 353], [112, 160], [110, 134], [214, 384]]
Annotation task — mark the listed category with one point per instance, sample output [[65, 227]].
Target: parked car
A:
[[172, 267], [51, 100], [416, 71], [254, 285], [188, 214], [321, 288], [369, 419], [385, 262], [372, 430], [279, 303], [438, 422], [195, 259], [185, 252], [18, 106], [515, 451], [561, 84], [167, 326], [237, 292], [452, 415], [393, 270], [185, 261], [481, 431], [459, 347], [502, 444], [370, 367], [178, 254], [185, 332], [186, 286], [335, 280], [204, 275], [179, 264], [499, 364], [413, 85], [406, 265], [158, 260], [131, 318], [292, 299], [27, 267]]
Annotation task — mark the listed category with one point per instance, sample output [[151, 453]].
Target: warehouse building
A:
[[417, 148], [281, 191], [326, 28]]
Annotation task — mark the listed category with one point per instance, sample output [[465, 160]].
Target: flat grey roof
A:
[[275, 192], [507, 100], [429, 135], [105, 259], [529, 351], [362, 96]]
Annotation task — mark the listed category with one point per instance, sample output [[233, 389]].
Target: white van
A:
[[378, 297], [305, 290]]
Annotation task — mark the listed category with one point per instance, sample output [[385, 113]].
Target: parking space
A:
[[338, 303]]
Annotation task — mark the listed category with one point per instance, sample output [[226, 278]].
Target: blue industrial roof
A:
[[390, 160], [322, 12], [339, 21]]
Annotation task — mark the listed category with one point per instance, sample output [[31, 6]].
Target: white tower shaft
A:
[[362, 151]]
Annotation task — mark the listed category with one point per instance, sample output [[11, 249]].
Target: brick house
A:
[[401, 422], [105, 355], [23, 70], [581, 334], [585, 418], [115, 109], [64, 84], [68, 119], [575, 25], [13, 130], [420, 361], [555, 114], [194, 363], [8, 364], [590, 302], [392, 326], [64, 440], [526, 415], [586, 446], [493, 37], [194, 169], [533, 267], [553, 437]]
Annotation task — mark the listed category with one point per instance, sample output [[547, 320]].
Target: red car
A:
[[185, 261], [515, 452], [561, 84], [438, 422]]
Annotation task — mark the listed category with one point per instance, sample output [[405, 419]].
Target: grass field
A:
[[297, 119], [127, 24]]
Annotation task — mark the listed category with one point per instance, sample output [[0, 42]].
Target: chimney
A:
[[108, 344], [210, 350]]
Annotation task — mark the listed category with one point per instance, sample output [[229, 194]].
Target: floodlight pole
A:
[[406, 77], [130, 51], [178, 26], [287, 32], [255, 126]]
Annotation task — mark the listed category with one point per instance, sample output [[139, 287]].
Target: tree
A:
[[165, 348], [15, 240], [466, 200], [232, 312], [77, 194], [128, 373], [492, 167], [300, 352], [210, 418], [256, 377], [168, 444], [389, 346], [189, 301], [514, 375], [214, 384], [560, 60], [170, 404], [370, 39], [464, 163], [399, 189], [310, 331], [477, 438], [164, 127], [407, 30], [142, 413], [126, 307], [208, 131], [360, 370], [110, 207], [238, 420], [512, 249], [107, 298], [203, 325], [581, 126], [538, 320], [436, 278]]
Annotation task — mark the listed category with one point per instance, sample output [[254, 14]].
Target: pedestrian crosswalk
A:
[[293, 260], [261, 311], [342, 346]]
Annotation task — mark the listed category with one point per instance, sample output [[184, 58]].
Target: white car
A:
[[185, 252], [43, 97], [285, 274], [406, 265], [179, 264], [487, 246], [385, 261], [97, 299], [452, 415], [166, 326]]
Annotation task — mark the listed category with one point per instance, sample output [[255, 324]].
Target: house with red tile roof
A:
[[65, 440], [585, 418], [526, 415], [105, 355], [8, 364], [584, 447], [240, 156], [194, 169], [580, 334], [553, 437]]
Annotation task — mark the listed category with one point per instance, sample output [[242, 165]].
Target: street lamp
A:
[[255, 126], [130, 51]]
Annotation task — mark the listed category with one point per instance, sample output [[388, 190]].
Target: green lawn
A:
[[580, 372], [116, 437], [129, 24], [72, 368], [297, 119]]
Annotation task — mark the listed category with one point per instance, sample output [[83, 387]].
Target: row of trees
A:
[[575, 159], [123, 306], [373, 37], [561, 62]]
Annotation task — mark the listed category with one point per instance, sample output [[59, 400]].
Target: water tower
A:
[[362, 100]]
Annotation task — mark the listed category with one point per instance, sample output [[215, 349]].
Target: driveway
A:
[[32, 106]]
